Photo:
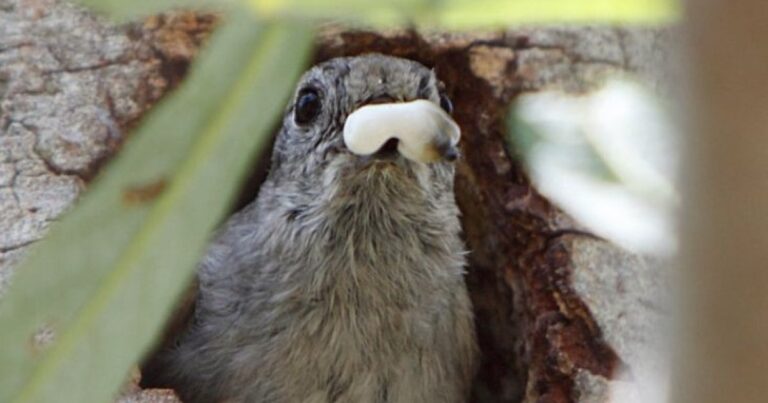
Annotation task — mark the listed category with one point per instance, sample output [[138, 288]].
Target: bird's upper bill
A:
[[422, 130]]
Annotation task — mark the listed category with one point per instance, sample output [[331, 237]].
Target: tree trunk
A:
[[723, 339], [558, 310]]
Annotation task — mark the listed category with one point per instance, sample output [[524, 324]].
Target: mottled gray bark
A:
[[70, 86], [557, 311]]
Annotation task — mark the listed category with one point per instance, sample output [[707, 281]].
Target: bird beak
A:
[[425, 133]]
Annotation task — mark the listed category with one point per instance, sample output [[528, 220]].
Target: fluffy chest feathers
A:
[[370, 244], [364, 300]]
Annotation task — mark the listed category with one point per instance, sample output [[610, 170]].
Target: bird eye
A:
[[446, 104], [307, 106]]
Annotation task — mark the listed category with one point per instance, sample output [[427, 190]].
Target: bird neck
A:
[[367, 234]]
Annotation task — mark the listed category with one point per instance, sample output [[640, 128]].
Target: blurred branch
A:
[[723, 341]]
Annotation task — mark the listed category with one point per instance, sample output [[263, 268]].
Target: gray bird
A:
[[343, 280]]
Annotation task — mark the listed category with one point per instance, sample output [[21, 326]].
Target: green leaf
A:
[[451, 14], [123, 10], [467, 14], [460, 14], [108, 274]]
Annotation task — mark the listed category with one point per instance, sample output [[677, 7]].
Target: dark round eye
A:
[[446, 103], [307, 106]]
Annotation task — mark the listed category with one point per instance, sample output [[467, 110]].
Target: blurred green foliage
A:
[[107, 275], [447, 14]]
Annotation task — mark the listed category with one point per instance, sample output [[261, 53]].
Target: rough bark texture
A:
[[70, 87], [132, 392], [558, 311]]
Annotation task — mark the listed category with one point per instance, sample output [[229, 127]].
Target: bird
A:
[[343, 281]]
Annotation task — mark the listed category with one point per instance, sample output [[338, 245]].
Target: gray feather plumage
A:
[[343, 280]]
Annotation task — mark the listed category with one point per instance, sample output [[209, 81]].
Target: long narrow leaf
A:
[[453, 14], [108, 274], [471, 14], [466, 14], [123, 10]]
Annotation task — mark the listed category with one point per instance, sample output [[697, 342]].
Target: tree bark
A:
[[558, 310]]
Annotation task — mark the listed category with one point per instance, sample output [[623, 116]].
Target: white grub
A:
[[425, 132]]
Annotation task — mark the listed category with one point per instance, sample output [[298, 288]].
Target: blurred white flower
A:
[[607, 158]]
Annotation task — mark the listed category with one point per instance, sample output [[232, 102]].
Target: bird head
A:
[[368, 123]]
